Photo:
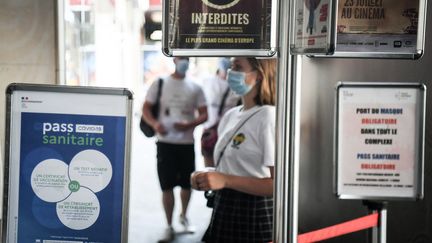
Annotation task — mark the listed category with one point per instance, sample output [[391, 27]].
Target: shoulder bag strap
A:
[[158, 97], [159, 93], [222, 104], [237, 128]]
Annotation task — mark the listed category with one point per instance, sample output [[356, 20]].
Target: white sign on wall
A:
[[379, 141]]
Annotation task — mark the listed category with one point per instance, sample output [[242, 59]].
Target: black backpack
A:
[[144, 126]]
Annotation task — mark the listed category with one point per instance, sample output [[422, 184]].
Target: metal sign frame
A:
[[361, 49], [370, 176], [49, 142], [168, 27], [302, 43]]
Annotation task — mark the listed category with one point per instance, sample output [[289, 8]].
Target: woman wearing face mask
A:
[[244, 158]]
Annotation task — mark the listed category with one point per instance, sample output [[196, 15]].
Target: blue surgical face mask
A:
[[182, 66], [236, 82]]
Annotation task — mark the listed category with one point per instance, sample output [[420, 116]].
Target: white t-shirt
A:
[[214, 90], [179, 101], [252, 150]]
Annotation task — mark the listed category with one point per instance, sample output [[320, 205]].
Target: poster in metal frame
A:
[[379, 141], [312, 25], [219, 28], [66, 164], [388, 29]]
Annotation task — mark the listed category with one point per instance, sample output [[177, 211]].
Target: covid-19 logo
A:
[[220, 4]]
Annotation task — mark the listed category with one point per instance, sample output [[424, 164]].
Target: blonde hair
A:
[[266, 82]]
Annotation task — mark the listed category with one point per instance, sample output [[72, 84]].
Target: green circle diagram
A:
[[74, 186]]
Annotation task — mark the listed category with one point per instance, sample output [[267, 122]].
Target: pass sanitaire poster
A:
[[71, 178]]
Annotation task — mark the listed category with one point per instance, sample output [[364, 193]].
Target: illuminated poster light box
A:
[[219, 28], [379, 141], [362, 28], [66, 164]]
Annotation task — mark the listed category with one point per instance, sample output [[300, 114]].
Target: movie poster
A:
[[378, 25], [312, 26], [378, 16], [219, 24]]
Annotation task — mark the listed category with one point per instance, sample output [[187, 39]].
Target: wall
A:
[[318, 207], [27, 48], [27, 44]]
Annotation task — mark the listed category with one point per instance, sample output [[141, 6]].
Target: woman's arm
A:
[[205, 181]]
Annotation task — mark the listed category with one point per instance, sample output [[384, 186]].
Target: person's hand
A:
[[182, 126], [204, 181], [159, 128], [193, 179]]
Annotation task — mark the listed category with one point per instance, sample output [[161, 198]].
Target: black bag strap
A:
[[159, 93], [222, 104], [237, 128], [158, 97]]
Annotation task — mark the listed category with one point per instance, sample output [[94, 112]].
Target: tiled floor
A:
[[146, 215]]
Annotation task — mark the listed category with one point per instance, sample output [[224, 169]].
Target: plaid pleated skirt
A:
[[240, 217]]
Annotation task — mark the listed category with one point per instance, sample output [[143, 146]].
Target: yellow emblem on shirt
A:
[[237, 140]]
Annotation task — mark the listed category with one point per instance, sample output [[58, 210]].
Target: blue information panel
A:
[[67, 170]]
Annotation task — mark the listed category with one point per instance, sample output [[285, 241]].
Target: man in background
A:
[[182, 108], [219, 99]]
